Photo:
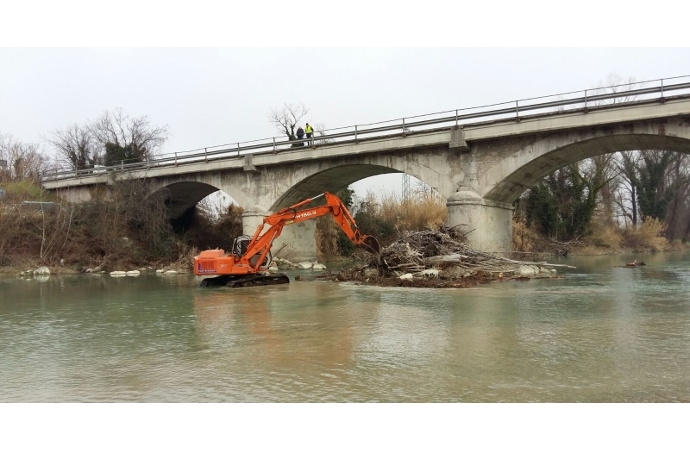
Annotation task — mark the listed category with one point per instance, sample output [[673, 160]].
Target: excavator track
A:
[[234, 281]]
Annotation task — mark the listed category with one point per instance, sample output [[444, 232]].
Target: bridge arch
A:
[[331, 179], [539, 156]]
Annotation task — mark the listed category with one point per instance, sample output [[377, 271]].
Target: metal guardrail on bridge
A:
[[566, 102]]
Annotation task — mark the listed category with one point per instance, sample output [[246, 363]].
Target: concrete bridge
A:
[[481, 168]]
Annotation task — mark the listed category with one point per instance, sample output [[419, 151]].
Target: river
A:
[[600, 334]]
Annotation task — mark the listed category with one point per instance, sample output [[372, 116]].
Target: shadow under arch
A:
[[523, 175], [181, 196]]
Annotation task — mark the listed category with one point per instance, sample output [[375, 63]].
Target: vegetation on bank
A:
[[621, 201], [122, 228]]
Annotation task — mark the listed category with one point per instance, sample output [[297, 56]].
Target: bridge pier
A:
[[490, 224], [297, 241]]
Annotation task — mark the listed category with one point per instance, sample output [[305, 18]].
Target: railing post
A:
[[517, 111], [585, 100], [205, 155], [355, 133], [175, 158], [662, 99], [275, 150], [238, 149], [122, 165], [456, 117], [403, 127]]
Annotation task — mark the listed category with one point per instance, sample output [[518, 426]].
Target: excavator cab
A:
[[239, 245], [239, 248]]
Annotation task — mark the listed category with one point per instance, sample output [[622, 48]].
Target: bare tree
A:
[[320, 130], [127, 138], [678, 213], [24, 160], [626, 195], [287, 118], [76, 144], [602, 167], [614, 83]]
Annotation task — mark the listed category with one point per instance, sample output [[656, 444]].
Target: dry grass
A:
[[326, 236], [423, 211], [384, 217], [605, 237], [525, 240], [648, 236]]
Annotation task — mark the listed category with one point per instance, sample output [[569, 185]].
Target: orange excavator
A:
[[247, 263]]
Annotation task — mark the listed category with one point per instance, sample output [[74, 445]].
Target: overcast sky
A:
[[211, 96]]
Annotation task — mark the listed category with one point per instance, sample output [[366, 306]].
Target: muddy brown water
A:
[[603, 333]]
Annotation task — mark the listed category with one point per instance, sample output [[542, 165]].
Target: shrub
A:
[[207, 226], [649, 236]]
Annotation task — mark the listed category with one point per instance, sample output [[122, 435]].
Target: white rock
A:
[[133, 273], [160, 270], [525, 271], [273, 267], [305, 265], [118, 273], [407, 276], [318, 266], [170, 272], [429, 273], [43, 270]]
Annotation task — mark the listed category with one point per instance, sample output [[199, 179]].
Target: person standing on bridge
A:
[[310, 131], [300, 134]]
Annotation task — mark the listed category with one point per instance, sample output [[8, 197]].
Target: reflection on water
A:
[[605, 333]]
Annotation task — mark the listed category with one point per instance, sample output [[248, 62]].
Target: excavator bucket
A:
[[370, 244]]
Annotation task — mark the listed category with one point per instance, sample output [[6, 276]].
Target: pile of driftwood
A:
[[418, 251]]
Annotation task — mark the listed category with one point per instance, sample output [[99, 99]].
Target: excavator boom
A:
[[250, 257]]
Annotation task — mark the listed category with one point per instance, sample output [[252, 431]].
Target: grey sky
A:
[[211, 96]]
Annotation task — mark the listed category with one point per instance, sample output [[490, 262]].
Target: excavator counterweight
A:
[[247, 264]]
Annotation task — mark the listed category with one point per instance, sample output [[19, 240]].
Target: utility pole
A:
[[406, 187]]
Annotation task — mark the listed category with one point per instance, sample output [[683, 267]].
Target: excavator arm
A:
[[261, 242], [243, 268]]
